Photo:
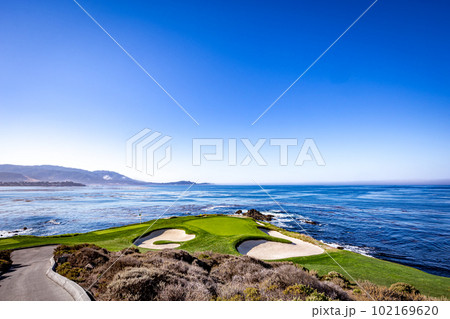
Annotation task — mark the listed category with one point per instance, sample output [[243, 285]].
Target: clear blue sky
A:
[[377, 104]]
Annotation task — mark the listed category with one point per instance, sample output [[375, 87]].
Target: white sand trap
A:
[[163, 234], [270, 250]]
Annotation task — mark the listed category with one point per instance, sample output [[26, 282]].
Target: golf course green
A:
[[221, 234]]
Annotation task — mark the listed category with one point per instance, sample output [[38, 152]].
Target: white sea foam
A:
[[356, 249], [288, 217], [16, 232], [207, 209], [52, 221]]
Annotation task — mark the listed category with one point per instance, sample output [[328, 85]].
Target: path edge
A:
[[74, 290]]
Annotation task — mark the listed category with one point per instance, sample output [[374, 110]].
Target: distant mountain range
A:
[[49, 173]]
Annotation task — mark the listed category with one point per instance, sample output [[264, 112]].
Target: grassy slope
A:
[[221, 234], [378, 271]]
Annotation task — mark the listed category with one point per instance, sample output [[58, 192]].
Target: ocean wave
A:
[[53, 222], [209, 208], [276, 213], [271, 212], [296, 218], [356, 249], [16, 232]]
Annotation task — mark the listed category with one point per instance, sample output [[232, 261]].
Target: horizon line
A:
[[399, 182]]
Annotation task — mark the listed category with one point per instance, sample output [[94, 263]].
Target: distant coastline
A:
[[41, 184], [18, 175]]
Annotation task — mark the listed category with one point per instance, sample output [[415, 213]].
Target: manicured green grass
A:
[[217, 233], [222, 234], [377, 271], [164, 242], [226, 226]]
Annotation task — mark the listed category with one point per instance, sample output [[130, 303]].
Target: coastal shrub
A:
[[238, 266], [68, 249], [135, 284], [297, 290], [233, 298], [181, 278], [5, 265], [271, 288], [199, 292], [203, 255], [316, 296], [116, 264], [337, 279], [178, 275], [230, 290], [172, 292], [5, 260], [252, 294], [88, 255], [66, 270], [175, 266], [128, 251], [288, 275], [382, 293], [404, 288], [302, 292], [5, 254]]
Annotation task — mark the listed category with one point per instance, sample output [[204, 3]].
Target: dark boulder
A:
[[255, 214]]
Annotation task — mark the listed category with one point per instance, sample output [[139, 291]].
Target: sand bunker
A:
[[163, 234], [270, 250]]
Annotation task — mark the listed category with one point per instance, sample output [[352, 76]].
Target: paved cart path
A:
[[26, 280]]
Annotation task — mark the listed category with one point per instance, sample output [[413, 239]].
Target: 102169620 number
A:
[[405, 310]]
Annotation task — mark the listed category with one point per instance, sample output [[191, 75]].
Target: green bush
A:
[[302, 292], [402, 287], [317, 296], [236, 297], [5, 265], [72, 273], [337, 279], [5, 255], [272, 287], [5, 260], [252, 294], [298, 289], [382, 293]]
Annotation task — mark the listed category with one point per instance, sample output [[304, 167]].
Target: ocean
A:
[[404, 224]]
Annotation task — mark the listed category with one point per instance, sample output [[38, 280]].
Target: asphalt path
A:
[[26, 280]]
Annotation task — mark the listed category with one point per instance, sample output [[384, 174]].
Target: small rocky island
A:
[[255, 214]]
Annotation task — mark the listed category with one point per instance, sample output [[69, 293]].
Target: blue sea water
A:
[[404, 224]]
